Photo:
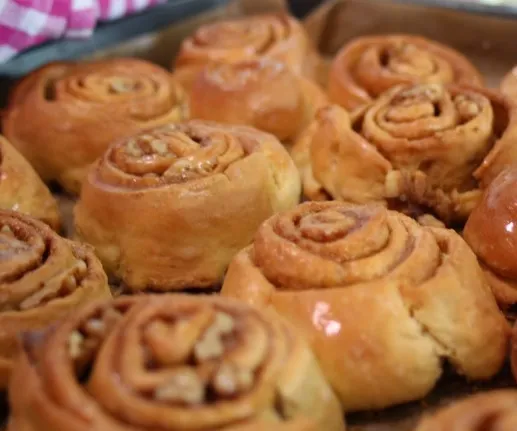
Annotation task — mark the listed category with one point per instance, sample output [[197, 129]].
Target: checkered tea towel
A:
[[25, 23]]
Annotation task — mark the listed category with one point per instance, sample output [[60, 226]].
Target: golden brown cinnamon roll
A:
[[491, 232], [491, 411], [22, 190], [368, 66], [382, 299], [43, 277], [170, 362], [168, 209], [279, 37], [259, 93], [63, 116], [429, 146]]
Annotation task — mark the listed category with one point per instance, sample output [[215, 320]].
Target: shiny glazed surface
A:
[[382, 299]]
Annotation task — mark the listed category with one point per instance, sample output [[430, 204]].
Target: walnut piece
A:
[[95, 327], [393, 184], [75, 344], [210, 346], [185, 387], [133, 149], [120, 86], [6, 229], [468, 109], [159, 147], [231, 380]]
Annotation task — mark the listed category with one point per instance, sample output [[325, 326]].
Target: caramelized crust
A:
[[383, 300], [168, 209]]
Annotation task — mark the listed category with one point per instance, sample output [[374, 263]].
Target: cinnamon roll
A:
[[259, 93], [427, 146], [22, 190], [491, 232], [383, 300], [43, 277], [168, 209], [368, 66], [170, 362], [491, 411], [276, 36], [63, 116]]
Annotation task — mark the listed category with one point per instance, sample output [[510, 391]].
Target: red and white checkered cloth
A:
[[25, 23]]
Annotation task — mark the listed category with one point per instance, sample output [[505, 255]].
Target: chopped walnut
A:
[[210, 346], [120, 86], [393, 184], [75, 344], [81, 267], [185, 386], [6, 229], [69, 283], [224, 323], [133, 149], [430, 221], [95, 327], [467, 108], [205, 167], [159, 147], [230, 380], [431, 92]]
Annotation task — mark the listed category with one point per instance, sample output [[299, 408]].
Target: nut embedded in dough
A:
[[417, 147], [43, 277], [266, 378]]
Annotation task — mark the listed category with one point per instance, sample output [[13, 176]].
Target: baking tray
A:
[[503, 8], [330, 26], [105, 35]]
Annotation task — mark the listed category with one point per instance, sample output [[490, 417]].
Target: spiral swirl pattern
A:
[[279, 37], [492, 411], [429, 145], [177, 176], [42, 278], [368, 286], [171, 363], [68, 105], [368, 66]]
